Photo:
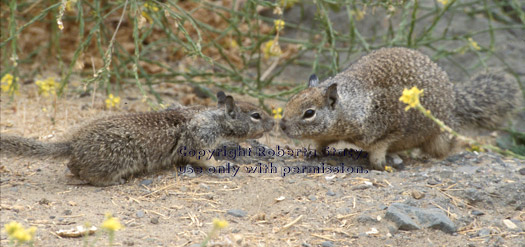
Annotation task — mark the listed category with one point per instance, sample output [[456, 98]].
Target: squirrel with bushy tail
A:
[[361, 105]]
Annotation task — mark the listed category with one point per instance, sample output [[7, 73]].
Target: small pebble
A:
[[154, 220], [327, 244], [477, 213], [312, 198], [509, 224], [416, 194], [522, 171], [146, 182], [330, 193], [236, 212], [140, 213], [67, 212]]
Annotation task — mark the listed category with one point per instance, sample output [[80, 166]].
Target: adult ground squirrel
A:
[[108, 150], [361, 105]]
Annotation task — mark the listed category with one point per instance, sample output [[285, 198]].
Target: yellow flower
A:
[[475, 148], [7, 82], [220, 224], [145, 15], [279, 25], [12, 227], [271, 49], [411, 97], [287, 3], [474, 44], [111, 223], [151, 6], [359, 14], [47, 86], [277, 113], [389, 169], [112, 101], [233, 44], [70, 4], [16, 231], [444, 2]]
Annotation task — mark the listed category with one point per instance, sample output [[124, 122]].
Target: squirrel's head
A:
[[311, 112], [242, 119]]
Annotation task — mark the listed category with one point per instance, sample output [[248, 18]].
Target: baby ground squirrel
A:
[[107, 150], [361, 105]]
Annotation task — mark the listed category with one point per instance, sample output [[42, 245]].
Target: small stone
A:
[[477, 213], [396, 213], [146, 182], [327, 244], [312, 198], [484, 232], [373, 231], [306, 245], [433, 181], [416, 194], [204, 186], [67, 212], [238, 238], [236, 212], [330, 193], [52, 216], [44, 201], [522, 171], [365, 219], [128, 242], [154, 220], [398, 161], [140, 213], [509, 224]]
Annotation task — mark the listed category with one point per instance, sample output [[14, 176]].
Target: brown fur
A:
[[108, 150], [361, 105]]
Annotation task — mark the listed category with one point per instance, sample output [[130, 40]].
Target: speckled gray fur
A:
[[361, 105], [108, 150]]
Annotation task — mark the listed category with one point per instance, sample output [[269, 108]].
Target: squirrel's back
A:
[[361, 105]]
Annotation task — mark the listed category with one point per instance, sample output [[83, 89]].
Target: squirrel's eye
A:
[[256, 115], [309, 113]]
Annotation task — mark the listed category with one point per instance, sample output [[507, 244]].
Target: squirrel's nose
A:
[[282, 124]]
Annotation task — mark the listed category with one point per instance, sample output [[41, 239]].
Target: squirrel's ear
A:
[[221, 98], [230, 106], [313, 81], [331, 95]]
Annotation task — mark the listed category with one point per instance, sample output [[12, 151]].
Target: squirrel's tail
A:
[[20, 146], [487, 99]]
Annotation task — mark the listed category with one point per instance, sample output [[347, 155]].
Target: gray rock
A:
[[146, 182], [522, 171], [330, 193], [484, 232], [365, 219], [154, 220], [477, 213], [312, 198], [397, 212], [407, 217], [140, 213], [327, 244], [236, 212], [433, 181], [306, 245], [436, 219]]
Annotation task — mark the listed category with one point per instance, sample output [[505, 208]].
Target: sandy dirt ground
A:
[[478, 193]]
